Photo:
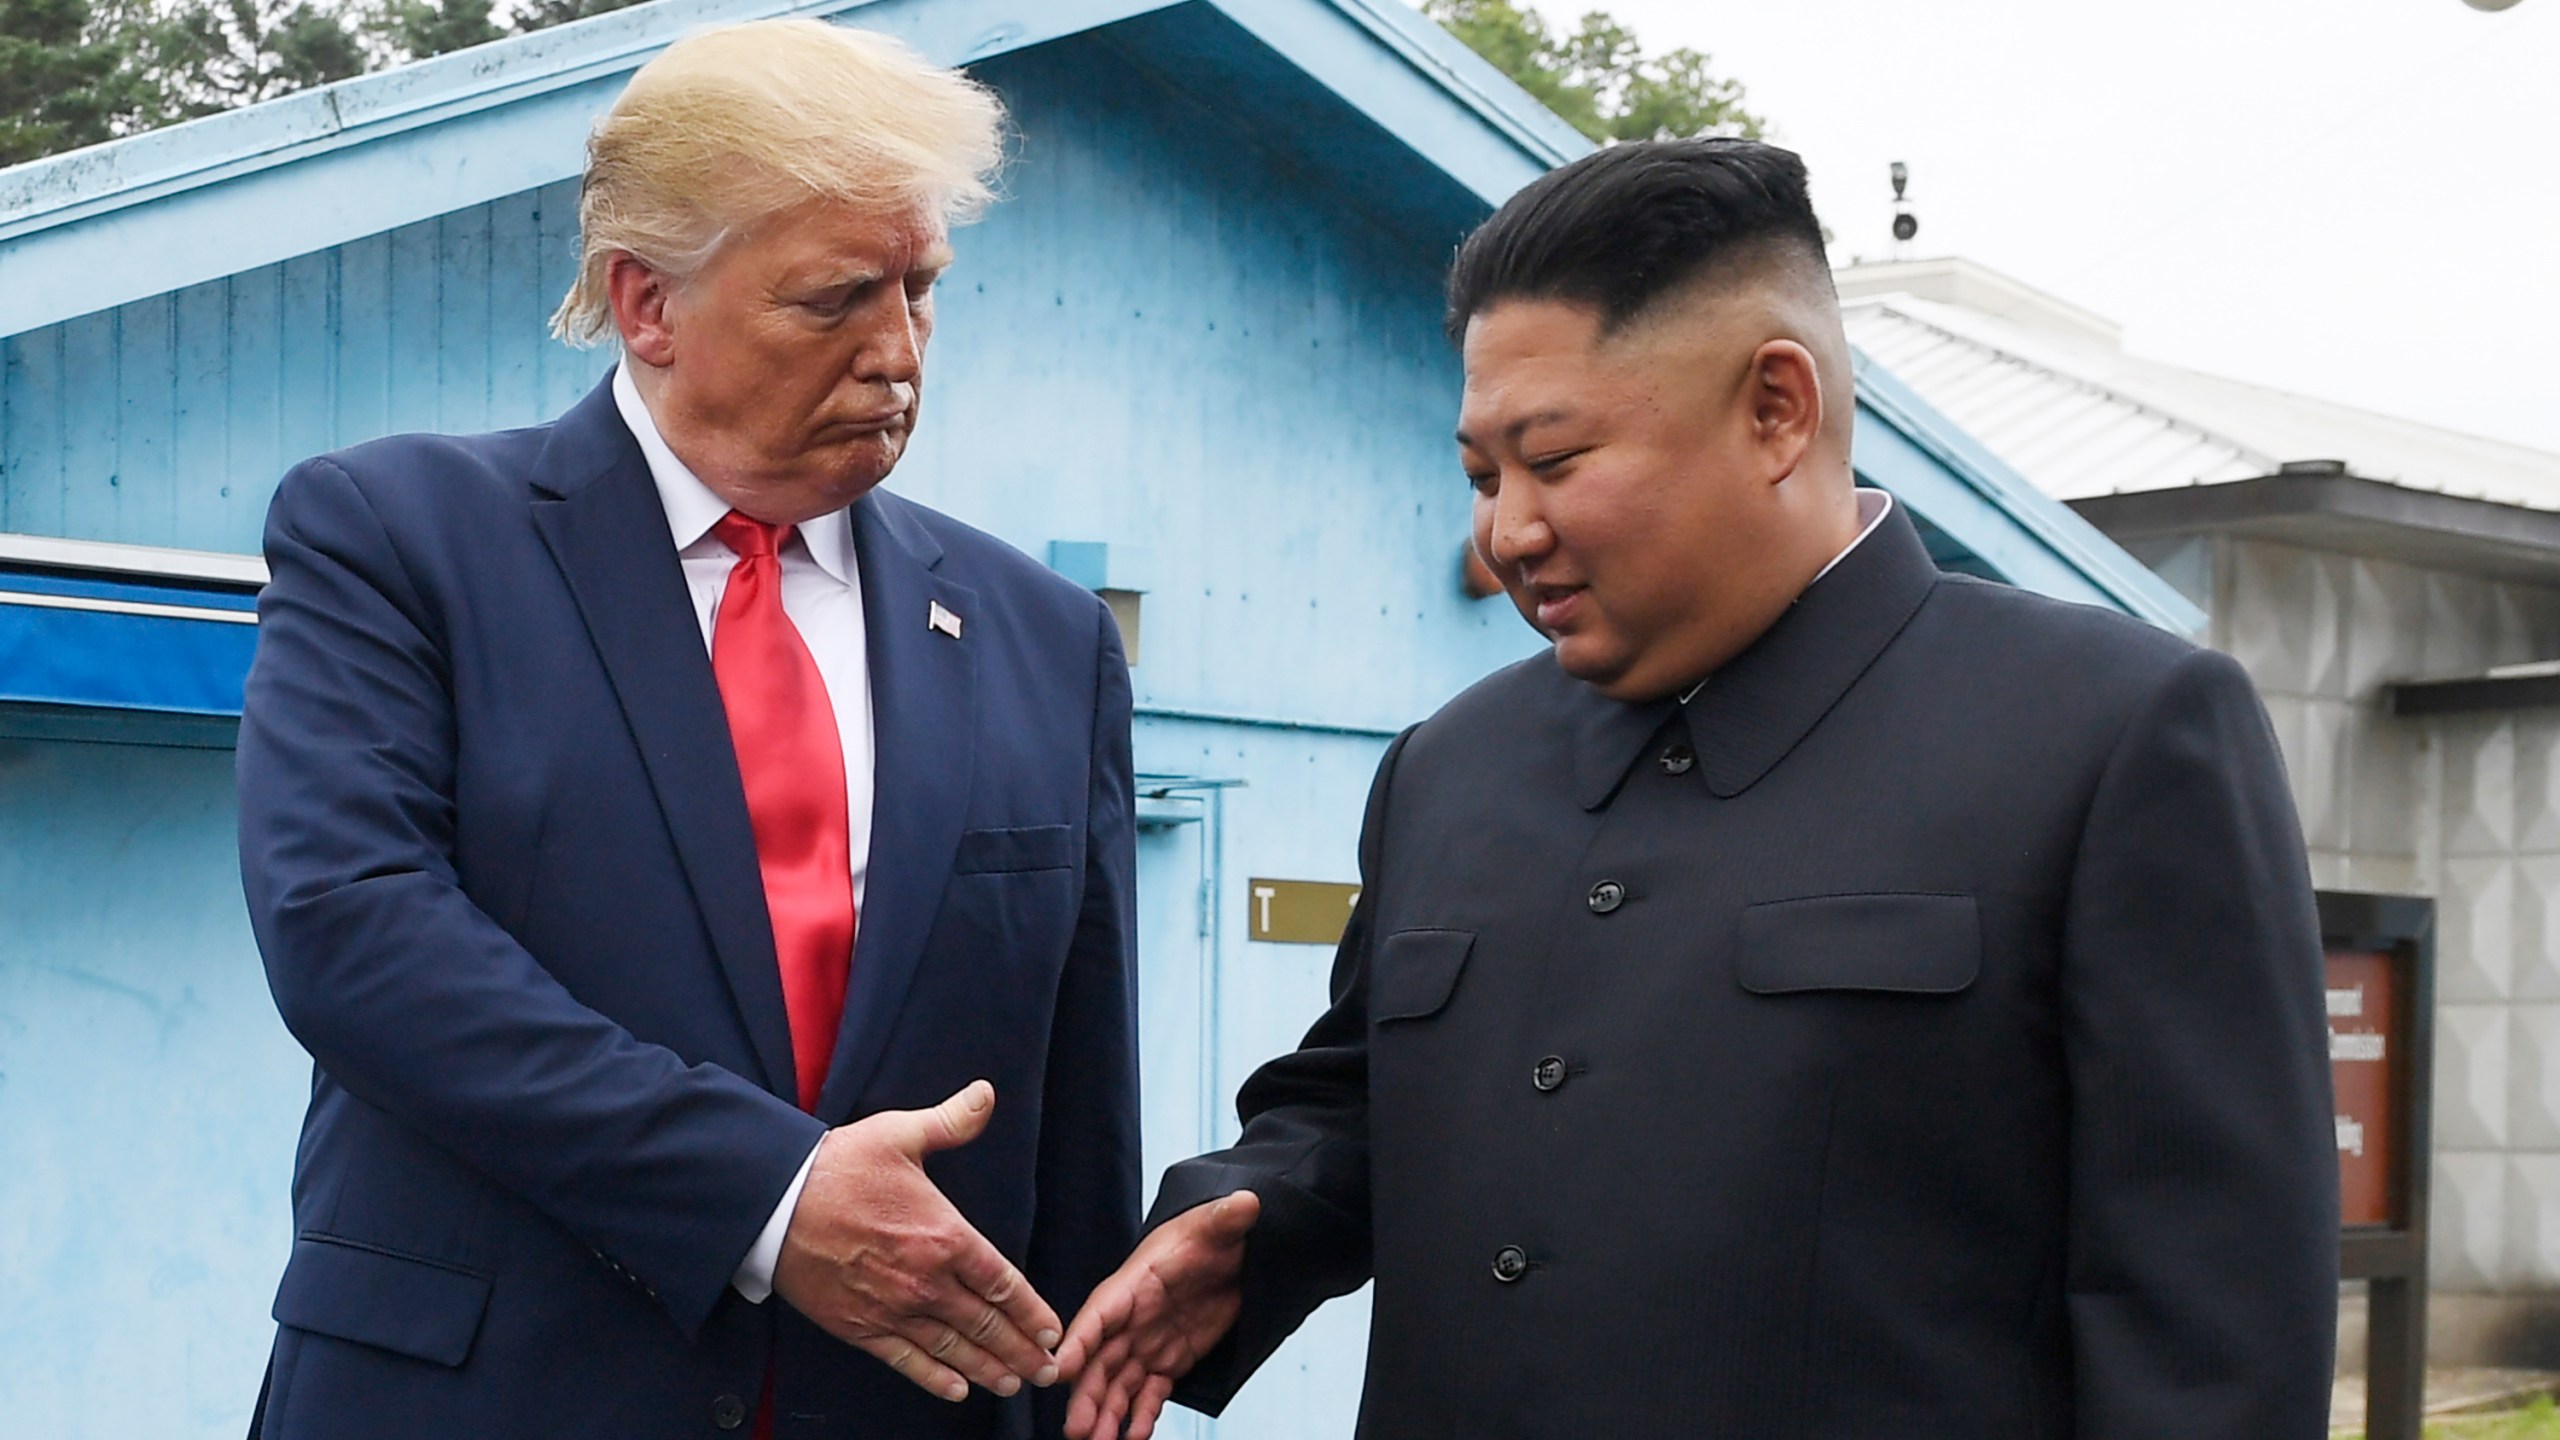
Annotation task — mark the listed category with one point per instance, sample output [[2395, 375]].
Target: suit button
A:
[[1510, 1263], [728, 1412], [1678, 759], [1549, 1073], [1606, 896]]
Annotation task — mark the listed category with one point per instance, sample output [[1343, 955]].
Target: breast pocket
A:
[[1896, 944], [1415, 972]]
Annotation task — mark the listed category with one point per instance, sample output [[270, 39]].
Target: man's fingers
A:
[[1149, 1405], [1104, 1314], [1081, 1412], [955, 1121], [1127, 1380], [1129, 1372], [1110, 1408], [1094, 1389], [955, 1351], [1084, 1407], [902, 1356], [992, 1330], [1224, 1222], [1234, 1215], [992, 1278]]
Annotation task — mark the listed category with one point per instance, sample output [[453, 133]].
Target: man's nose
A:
[[893, 354], [1519, 530]]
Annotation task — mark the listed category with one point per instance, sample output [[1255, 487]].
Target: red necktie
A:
[[791, 757]]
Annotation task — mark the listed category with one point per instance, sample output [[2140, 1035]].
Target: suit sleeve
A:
[[1089, 1176], [404, 991], [1304, 1152], [2201, 1279]]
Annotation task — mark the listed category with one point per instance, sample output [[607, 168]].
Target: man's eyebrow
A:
[[843, 279], [1516, 428]]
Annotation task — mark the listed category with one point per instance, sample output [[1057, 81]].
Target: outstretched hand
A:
[[1146, 1326], [879, 1259]]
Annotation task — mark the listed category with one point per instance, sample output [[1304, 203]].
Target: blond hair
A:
[[730, 126]]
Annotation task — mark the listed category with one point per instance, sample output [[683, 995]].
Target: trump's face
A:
[[786, 372]]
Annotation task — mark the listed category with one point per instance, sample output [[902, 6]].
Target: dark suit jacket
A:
[[499, 863], [1919, 1033]]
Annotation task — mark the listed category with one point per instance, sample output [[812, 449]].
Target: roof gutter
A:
[[2323, 503]]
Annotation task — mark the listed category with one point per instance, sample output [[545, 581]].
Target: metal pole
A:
[[2395, 1365]]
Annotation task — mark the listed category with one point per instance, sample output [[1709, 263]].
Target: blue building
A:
[[1194, 359]]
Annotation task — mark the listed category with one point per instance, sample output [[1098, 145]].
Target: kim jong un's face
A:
[[1630, 487], [787, 371]]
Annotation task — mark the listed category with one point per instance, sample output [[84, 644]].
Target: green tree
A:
[[543, 14], [59, 86], [195, 57], [1597, 76], [416, 29], [78, 72]]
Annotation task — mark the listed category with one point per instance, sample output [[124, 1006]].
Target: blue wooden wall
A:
[[1168, 339], [148, 1099], [168, 421]]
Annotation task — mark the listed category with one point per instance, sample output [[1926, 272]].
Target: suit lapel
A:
[[924, 696], [599, 512]]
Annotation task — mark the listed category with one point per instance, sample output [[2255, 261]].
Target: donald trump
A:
[[700, 876]]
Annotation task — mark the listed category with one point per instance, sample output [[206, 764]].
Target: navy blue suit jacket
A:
[[499, 864]]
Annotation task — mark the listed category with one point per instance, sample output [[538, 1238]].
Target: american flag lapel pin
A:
[[939, 617]]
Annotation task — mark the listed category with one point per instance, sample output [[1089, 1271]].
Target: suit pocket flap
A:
[[1903, 944], [1021, 847], [403, 1303], [1416, 971]]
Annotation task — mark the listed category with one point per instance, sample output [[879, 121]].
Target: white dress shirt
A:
[[822, 593]]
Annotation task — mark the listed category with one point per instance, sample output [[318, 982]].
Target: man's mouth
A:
[[873, 424], [1555, 607]]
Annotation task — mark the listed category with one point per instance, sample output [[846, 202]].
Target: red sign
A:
[[2364, 1023]]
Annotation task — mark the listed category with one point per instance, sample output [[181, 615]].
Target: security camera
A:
[[2490, 4]]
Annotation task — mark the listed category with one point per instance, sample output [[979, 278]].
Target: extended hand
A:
[[1147, 1325], [879, 1259]]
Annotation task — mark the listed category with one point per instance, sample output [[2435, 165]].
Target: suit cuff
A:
[[754, 1279]]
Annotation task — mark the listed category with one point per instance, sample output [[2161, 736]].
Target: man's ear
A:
[[640, 295], [1785, 393]]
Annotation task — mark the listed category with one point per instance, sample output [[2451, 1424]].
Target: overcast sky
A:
[[2355, 199]]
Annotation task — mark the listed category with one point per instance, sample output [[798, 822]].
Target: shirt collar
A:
[[1873, 506], [692, 509]]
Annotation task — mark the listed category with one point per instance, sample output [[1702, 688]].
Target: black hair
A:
[[1624, 226]]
